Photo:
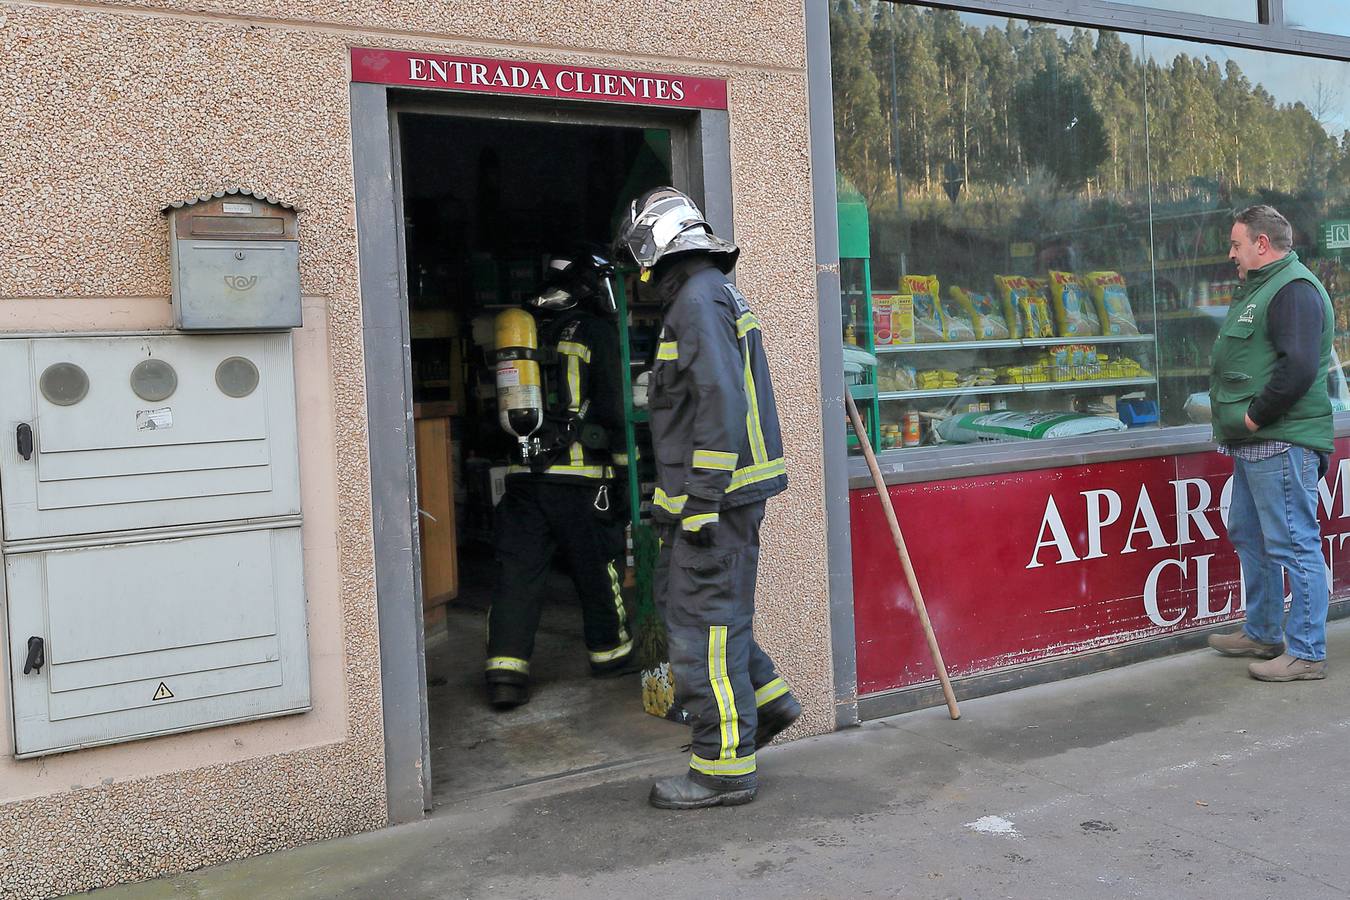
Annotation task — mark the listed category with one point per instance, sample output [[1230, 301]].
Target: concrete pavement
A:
[[1177, 778]]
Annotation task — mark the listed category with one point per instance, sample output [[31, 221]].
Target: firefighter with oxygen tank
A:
[[559, 393]]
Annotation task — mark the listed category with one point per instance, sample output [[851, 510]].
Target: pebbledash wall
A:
[[111, 110]]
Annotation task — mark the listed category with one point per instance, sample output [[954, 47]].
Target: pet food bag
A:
[[987, 313], [958, 320], [1011, 290], [1033, 313], [1075, 313], [1112, 302], [1022, 426]]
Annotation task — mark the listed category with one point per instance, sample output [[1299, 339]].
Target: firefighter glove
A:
[[699, 523]]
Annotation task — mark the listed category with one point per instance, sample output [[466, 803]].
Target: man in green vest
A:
[[1272, 415]]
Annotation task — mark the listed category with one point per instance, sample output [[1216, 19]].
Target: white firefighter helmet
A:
[[663, 222]]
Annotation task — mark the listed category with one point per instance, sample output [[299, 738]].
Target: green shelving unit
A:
[[631, 415], [855, 283]]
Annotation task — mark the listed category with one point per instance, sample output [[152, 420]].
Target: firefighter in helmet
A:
[[719, 457], [561, 496]]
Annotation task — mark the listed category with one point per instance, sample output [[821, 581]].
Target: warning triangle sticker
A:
[[162, 692]]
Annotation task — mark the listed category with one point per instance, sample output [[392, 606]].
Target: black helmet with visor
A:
[[583, 277]]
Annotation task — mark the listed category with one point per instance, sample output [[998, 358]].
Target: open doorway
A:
[[486, 201]]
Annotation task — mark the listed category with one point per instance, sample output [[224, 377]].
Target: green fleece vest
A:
[[1244, 359]]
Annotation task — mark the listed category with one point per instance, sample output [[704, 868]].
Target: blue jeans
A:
[[1272, 524]]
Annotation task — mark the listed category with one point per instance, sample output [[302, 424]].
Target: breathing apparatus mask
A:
[[585, 278]]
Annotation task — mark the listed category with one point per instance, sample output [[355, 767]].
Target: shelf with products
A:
[[1032, 388], [1016, 363]]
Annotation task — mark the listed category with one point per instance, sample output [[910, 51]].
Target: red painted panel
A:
[[532, 79], [1030, 565]]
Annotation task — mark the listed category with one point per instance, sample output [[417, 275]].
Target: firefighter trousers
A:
[[706, 596], [535, 520]]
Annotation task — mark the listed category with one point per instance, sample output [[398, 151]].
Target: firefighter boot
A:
[[774, 716], [683, 792], [504, 695], [624, 665]]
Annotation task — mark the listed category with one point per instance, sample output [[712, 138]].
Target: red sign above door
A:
[[529, 79]]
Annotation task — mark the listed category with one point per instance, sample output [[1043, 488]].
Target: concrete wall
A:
[[110, 110]]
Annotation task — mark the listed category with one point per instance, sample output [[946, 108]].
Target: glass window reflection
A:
[[1230, 128], [1003, 166], [1317, 15], [1242, 10], [1037, 216]]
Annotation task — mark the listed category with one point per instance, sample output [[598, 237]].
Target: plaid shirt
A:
[[1255, 451]]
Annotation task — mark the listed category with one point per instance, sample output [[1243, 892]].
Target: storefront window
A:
[[1047, 212], [1243, 10], [1317, 15]]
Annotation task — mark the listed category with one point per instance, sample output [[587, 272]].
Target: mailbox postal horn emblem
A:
[[241, 282]]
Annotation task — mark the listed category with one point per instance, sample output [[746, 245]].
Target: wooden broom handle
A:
[[900, 548]]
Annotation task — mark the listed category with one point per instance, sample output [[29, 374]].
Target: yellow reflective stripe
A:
[[674, 505], [744, 765], [668, 350], [604, 656], [743, 477], [696, 523], [771, 691], [618, 602], [753, 429], [718, 460], [576, 454], [755, 474], [574, 384], [722, 691], [508, 664], [572, 348], [620, 459], [746, 324]]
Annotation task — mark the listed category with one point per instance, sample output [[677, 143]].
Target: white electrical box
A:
[[151, 532]]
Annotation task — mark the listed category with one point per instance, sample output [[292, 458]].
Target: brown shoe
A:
[[1238, 644], [1288, 668]]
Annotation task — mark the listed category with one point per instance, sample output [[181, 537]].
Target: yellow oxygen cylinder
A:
[[520, 395]]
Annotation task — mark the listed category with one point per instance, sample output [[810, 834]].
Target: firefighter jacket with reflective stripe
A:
[[583, 388], [714, 422]]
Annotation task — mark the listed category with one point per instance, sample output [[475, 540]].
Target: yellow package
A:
[[1075, 314], [927, 310], [1011, 290], [990, 321], [1034, 316], [1113, 303], [1041, 288], [933, 378]]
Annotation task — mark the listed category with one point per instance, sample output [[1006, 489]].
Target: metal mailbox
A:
[[235, 259]]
